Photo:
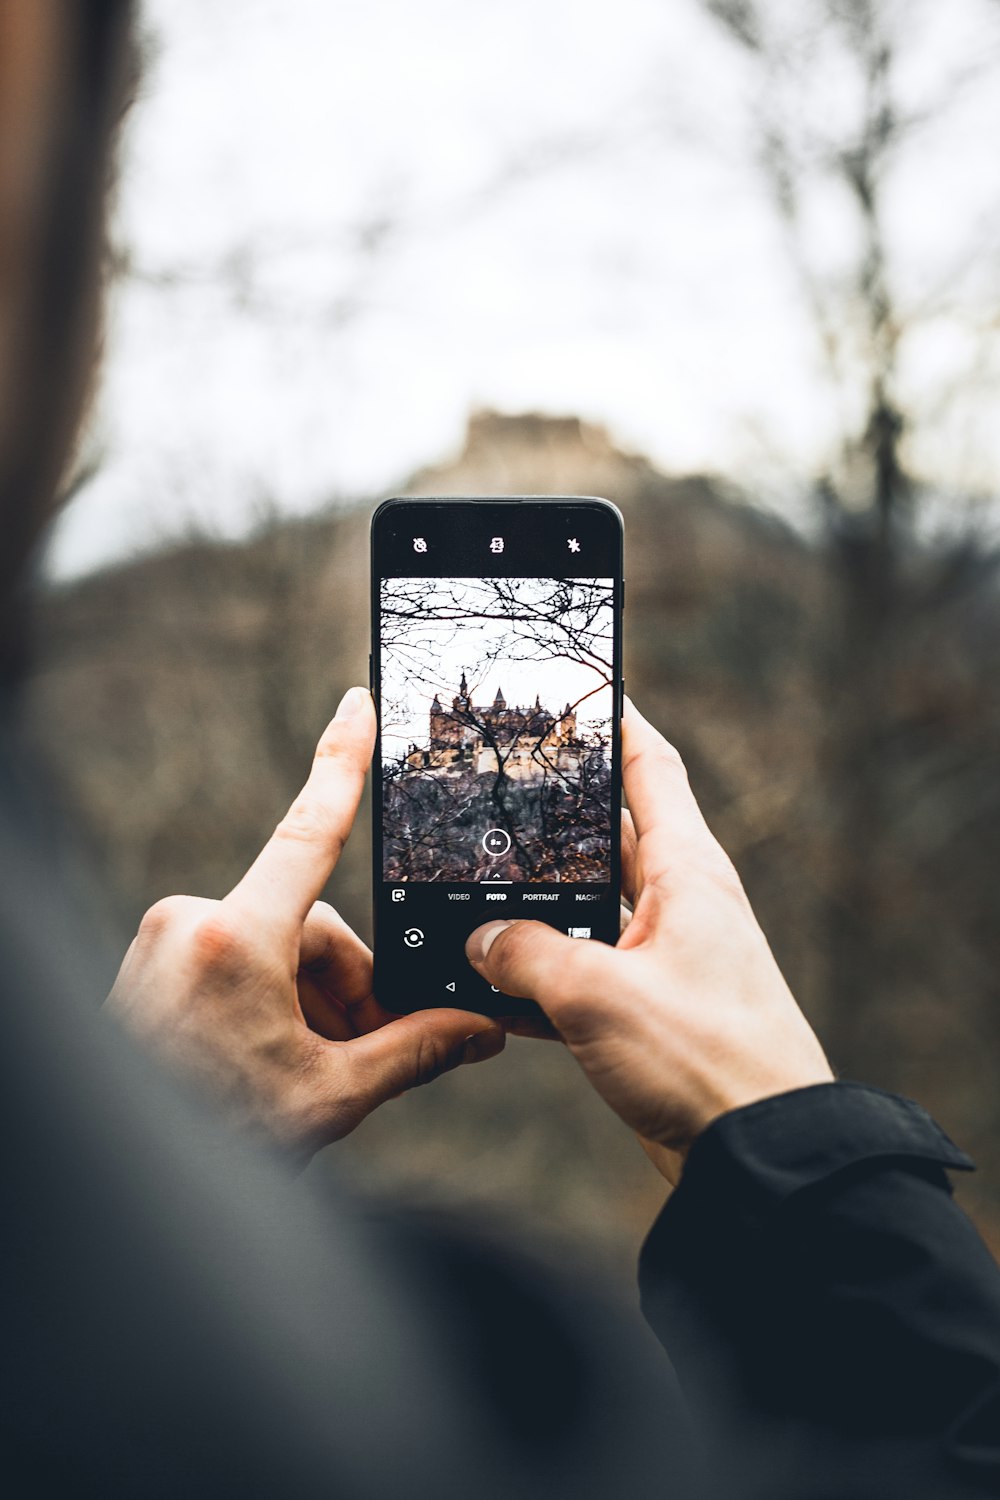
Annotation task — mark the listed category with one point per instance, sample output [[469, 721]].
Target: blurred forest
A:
[[852, 776], [830, 678]]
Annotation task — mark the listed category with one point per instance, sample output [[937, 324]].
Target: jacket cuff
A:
[[754, 1158]]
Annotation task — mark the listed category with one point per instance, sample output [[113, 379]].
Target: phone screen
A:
[[497, 675]]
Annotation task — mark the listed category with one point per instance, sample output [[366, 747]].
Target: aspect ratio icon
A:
[[413, 937], [419, 544], [496, 841]]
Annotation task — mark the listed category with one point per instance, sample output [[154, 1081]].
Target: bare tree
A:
[[882, 575]]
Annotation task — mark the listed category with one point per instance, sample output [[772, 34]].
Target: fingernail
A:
[[353, 701], [483, 1044], [482, 940]]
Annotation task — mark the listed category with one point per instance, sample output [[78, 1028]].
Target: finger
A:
[[293, 867], [334, 956], [666, 817], [335, 978], [335, 974], [533, 960], [629, 842], [321, 1013], [418, 1048]]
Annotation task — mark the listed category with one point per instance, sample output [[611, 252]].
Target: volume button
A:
[[371, 673]]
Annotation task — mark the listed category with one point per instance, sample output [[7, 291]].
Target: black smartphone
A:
[[496, 670]]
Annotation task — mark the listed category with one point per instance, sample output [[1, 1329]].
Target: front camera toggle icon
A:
[[413, 937]]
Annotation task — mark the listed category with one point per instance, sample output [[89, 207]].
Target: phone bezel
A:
[[506, 1005]]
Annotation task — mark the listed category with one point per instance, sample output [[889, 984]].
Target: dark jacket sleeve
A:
[[832, 1314]]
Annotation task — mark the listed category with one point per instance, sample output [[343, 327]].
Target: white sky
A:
[[575, 224]]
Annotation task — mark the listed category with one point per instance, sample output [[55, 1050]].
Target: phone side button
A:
[[371, 673]]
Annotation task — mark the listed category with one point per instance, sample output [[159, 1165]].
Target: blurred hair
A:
[[52, 304]]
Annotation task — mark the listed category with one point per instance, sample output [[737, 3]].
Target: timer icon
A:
[[496, 841]]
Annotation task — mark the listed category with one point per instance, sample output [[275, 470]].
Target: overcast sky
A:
[[348, 223]]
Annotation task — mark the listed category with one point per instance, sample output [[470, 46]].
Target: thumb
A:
[[533, 961], [418, 1048]]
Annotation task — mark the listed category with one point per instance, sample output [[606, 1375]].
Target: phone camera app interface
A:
[[497, 695], [497, 699]]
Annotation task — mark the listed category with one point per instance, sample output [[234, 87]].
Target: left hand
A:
[[266, 996]]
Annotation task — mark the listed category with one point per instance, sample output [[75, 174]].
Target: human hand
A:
[[266, 996], [688, 1017]]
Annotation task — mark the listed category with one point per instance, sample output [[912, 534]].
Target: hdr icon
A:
[[496, 895]]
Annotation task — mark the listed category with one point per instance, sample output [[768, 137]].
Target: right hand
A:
[[688, 1017]]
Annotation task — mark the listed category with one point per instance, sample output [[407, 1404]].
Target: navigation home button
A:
[[496, 841]]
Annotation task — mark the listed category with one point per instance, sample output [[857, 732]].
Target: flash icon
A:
[[573, 544]]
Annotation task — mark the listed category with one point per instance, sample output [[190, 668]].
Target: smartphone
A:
[[496, 670]]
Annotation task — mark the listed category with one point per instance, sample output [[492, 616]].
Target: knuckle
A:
[[671, 756], [431, 1059], [697, 897], [308, 822], [719, 871], [335, 746], [658, 760], [564, 981], [216, 945], [322, 911], [162, 915]]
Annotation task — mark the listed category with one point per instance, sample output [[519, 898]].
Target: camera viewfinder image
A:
[[497, 698]]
